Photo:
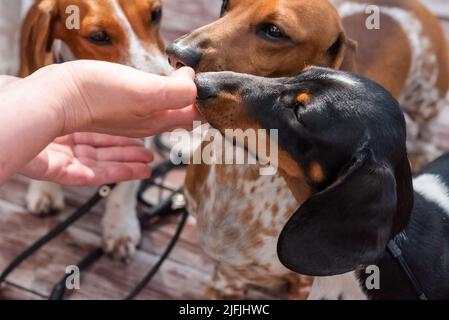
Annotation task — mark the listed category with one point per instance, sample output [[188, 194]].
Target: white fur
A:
[[43, 197], [145, 59], [62, 52], [421, 94], [209, 212], [423, 74], [121, 229], [432, 188], [345, 286], [120, 224]]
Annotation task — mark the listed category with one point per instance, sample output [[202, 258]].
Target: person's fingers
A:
[[128, 154], [184, 72], [104, 140], [119, 154], [89, 172], [174, 92], [159, 122], [110, 172], [172, 119]]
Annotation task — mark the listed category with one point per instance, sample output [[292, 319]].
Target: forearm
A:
[[30, 119], [88, 96]]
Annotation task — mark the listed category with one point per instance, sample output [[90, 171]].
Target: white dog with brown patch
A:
[[240, 214], [126, 32]]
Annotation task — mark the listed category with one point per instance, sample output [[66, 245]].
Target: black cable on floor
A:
[[162, 259], [83, 210]]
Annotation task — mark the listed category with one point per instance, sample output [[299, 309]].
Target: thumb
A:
[[184, 72], [177, 91]]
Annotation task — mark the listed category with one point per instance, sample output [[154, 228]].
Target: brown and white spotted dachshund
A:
[[352, 131], [240, 213], [120, 31]]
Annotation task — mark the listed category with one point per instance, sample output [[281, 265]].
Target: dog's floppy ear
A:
[[344, 226], [36, 41], [405, 194], [343, 54]]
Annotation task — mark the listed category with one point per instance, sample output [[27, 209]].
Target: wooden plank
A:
[[111, 278], [185, 275], [155, 236], [12, 292]]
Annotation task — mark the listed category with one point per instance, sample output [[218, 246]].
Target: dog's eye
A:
[[272, 32], [224, 7], [156, 16], [100, 38]]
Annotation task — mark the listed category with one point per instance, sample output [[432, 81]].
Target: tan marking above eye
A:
[[316, 172], [304, 98]]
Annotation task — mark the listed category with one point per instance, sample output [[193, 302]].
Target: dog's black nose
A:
[[207, 89], [180, 56]]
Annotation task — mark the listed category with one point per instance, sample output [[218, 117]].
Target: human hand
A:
[[116, 99], [90, 159], [6, 80]]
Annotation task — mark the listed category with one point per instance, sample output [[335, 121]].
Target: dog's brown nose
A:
[[180, 56]]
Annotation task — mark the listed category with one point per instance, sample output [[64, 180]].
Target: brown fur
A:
[[45, 39], [46, 21], [319, 37]]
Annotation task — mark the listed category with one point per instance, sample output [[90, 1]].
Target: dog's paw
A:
[[121, 233], [44, 198]]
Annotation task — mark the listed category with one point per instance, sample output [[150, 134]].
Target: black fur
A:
[[355, 129], [425, 246]]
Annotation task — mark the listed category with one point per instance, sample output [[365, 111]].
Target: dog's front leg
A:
[[299, 286], [225, 285], [44, 198], [121, 229]]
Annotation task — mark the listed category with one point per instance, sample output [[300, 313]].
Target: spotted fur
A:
[[414, 26], [239, 235], [421, 99]]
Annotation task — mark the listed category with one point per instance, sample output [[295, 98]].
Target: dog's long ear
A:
[[404, 190], [346, 225], [343, 54], [36, 40]]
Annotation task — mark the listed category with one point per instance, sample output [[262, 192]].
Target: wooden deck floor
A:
[[185, 274]]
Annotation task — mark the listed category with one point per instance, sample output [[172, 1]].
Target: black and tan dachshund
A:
[[342, 151]]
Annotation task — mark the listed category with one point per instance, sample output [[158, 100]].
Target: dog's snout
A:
[[180, 56], [207, 89]]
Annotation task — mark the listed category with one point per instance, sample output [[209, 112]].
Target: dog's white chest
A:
[[241, 218], [341, 287]]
